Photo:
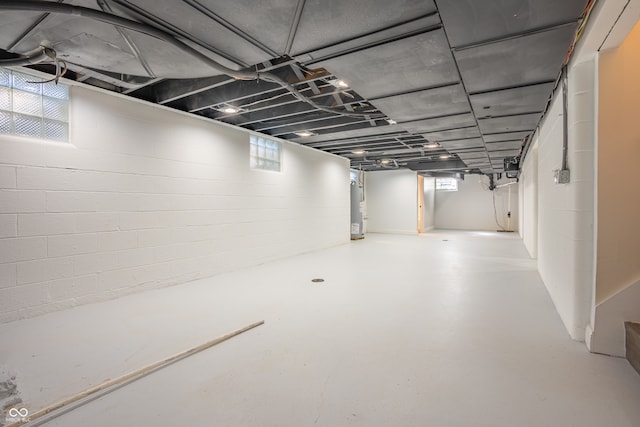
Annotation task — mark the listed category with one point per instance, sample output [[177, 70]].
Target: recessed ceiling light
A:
[[358, 151], [305, 133], [228, 109], [342, 84], [432, 145], [385, 161], [392, 122], [445, 156]]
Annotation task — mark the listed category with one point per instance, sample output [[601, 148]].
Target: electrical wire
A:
[[40, 55], [35, 56], [584, 19], [118, 21], [60, 72], [260, 101], [495, 211]]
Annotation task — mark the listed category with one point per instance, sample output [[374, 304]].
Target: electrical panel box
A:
[[561, 176], [512, 167]]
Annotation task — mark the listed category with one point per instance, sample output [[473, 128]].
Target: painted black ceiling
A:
[[426, 79]]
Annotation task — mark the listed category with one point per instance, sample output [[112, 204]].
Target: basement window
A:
[[446, 184], [36, 110], [265, 153]]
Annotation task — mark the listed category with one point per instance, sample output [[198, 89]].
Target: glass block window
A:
[[446, 184], [36, 110], [265, 153]]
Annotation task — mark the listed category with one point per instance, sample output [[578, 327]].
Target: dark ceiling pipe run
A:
[[35, 56], [584, 19], [565, 119], [67, 9]]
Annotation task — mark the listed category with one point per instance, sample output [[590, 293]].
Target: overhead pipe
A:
[[565, 119], [38, 56], [35, 56], [108, 18]]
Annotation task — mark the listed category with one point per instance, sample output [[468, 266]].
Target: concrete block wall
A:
[[528, 195], [392, 201], [143, 197], [472, 206], [565, 240]]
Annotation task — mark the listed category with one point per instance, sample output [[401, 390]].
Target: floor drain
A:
[[317, 280]]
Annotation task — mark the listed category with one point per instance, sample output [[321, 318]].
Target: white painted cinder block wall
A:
[[429, 208], [528, 194], [143, 197], [568, 225], [471, 207], [392, 201], [565, 231], [564, 218]]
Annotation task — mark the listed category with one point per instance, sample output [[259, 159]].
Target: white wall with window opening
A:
[[447, 184], [142, 197], [32, 109], [474, 207], [265, 153]]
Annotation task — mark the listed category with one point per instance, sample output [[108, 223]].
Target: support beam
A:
[[269, 114], [294, 27], [231, 93], [32, 28], [128, 40], [512, 87], [380, 145], [423, 89], [305, 122], [336, 124], [445, 116], [437, 165], [272, 112], [420, 25], [229, 26], [174, 89], [361, 140], [241, 89], [138, 88], [312, 116], [515, 35], [466, 92], [175, 31]]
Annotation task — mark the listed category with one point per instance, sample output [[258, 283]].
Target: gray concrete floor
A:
[[444, 329]]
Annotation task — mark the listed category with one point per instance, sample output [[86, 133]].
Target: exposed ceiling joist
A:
[[474, 77]]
